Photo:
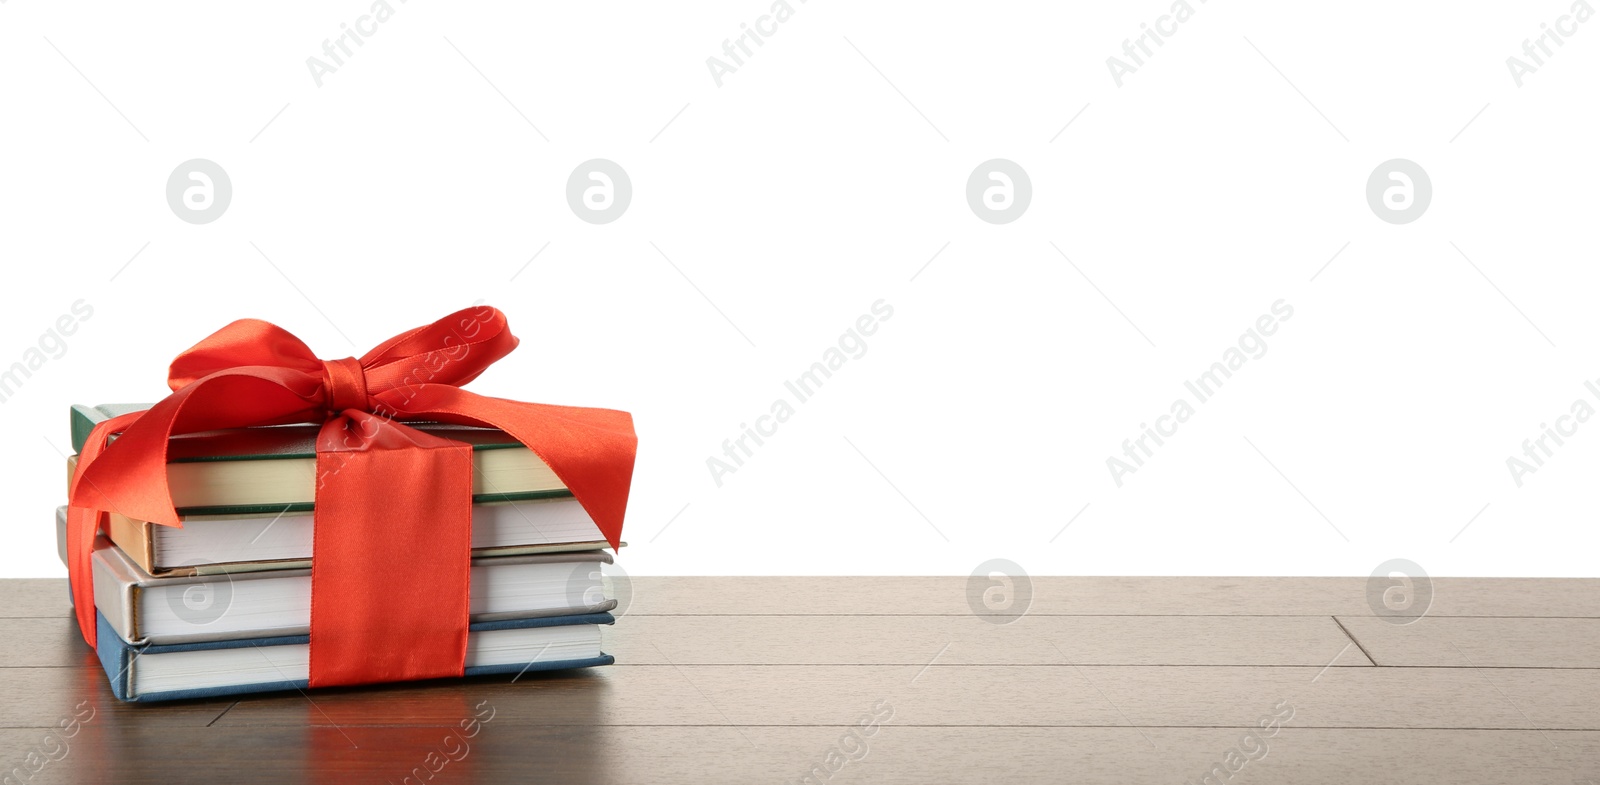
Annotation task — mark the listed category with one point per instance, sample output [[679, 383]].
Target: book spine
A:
[[115, 596], [116, 658], [135, 538], [83, 421]]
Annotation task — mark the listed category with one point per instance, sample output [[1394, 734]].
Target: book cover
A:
[[259, 536], [273, 468], [142, 608], [283, 660], [212, 544]]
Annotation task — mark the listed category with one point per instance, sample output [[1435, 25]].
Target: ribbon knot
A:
[[345, 385]]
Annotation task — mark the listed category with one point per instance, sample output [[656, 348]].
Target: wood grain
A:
[[43, 697], [895, 754], [43, 643], [1116, 596], [1480, 642], [1052, 596], [969, 640], [34, 598], [1351, 697], [888, 640], [757, 679]]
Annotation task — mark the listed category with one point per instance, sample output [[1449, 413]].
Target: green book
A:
[[273, 469], [85, 418]]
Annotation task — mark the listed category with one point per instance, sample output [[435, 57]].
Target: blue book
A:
[[150, 672]]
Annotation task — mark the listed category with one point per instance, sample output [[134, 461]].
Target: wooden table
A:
[[896, 680]]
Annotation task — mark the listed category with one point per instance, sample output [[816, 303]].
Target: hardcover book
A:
[[209, 544], [268, 469], [142, 608], [152, 672]]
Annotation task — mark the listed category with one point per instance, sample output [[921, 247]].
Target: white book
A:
[[208, 544], [144, 609], [208, 669]]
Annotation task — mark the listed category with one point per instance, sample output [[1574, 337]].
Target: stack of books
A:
[[223, 605]]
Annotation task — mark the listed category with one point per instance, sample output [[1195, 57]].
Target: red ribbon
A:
[[393, 514]]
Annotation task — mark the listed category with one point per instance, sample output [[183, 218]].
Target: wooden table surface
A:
[[897, 680]]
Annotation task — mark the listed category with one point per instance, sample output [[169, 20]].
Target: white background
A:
[[429, 168]]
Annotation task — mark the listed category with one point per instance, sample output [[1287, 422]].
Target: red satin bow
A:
[[392, 548]]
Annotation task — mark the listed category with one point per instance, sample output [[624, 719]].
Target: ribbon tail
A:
[[83, 525], [131, 478], [591, 450], [391, 553]]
